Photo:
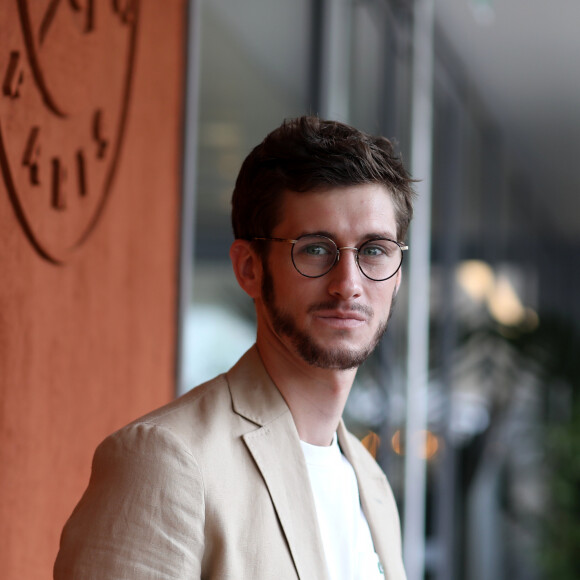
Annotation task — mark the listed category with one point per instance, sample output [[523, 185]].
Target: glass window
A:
[[254, 72]]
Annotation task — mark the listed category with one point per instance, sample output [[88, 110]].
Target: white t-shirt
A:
[[348, 546]]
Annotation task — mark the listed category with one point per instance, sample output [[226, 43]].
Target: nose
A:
[[345, 279]]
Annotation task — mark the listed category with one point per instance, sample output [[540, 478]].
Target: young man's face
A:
[[334, 321]]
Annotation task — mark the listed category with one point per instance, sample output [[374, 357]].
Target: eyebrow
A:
[[364, 238]]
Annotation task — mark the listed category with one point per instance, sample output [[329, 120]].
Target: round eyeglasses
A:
[[314, 256]]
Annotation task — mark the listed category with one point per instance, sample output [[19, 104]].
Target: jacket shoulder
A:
[[189, 413]]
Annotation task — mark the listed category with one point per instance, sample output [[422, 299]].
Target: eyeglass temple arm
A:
[[275, 240]]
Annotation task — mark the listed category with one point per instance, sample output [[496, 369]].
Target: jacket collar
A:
[[254, 395]]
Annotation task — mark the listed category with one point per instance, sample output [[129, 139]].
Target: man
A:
[[253, 475]]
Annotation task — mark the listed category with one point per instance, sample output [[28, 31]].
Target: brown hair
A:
[[310, 154]]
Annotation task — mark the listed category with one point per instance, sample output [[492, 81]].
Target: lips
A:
[[342, 315], [340, 309], [341, 319]]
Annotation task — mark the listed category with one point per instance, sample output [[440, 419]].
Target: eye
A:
[[316, 249], [373, 251], [378, 249]]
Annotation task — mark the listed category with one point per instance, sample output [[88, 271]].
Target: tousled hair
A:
[[309, 154]]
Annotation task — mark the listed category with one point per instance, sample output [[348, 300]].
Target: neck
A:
[[315, 396]]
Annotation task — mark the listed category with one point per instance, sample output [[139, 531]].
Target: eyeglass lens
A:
[[315, 256]]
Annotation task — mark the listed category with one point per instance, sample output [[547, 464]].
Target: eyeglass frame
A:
[[403, 247]]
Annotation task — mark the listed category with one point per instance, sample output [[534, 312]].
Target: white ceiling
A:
[[523, 56]]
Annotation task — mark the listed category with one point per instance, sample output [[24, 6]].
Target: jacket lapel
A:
[[278, 455], [379, 507], [275, 447]]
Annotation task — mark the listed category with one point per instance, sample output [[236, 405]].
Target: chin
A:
[[338, 358]]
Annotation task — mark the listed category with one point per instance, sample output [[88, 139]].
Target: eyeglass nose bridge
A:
[[355, 250]]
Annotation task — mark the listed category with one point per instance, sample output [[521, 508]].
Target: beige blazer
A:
[[215, 486]]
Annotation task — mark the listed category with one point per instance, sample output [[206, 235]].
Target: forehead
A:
[[352, 212]]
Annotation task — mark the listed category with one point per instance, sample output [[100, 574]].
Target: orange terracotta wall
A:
[[91, 98]]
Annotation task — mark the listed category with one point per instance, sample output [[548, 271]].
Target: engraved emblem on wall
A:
[[65, 77]]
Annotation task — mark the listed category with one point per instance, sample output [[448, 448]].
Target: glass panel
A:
[[367, 74], [254, 72]]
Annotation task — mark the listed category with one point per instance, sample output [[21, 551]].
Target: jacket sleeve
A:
[[142, 515]]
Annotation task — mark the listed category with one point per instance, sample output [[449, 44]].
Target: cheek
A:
[[285, 290], [383, 300], [296, 296]]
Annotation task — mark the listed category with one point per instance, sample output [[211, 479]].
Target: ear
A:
[[398, 278], [247, 266]]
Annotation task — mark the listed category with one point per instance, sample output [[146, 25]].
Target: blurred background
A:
[[482, 99]]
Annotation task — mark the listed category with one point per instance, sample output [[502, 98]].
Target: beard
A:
[[307, 348]]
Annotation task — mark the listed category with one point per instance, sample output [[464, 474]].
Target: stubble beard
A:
[[305, 345]]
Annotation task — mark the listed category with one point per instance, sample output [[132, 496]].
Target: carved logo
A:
[[65, 76]]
